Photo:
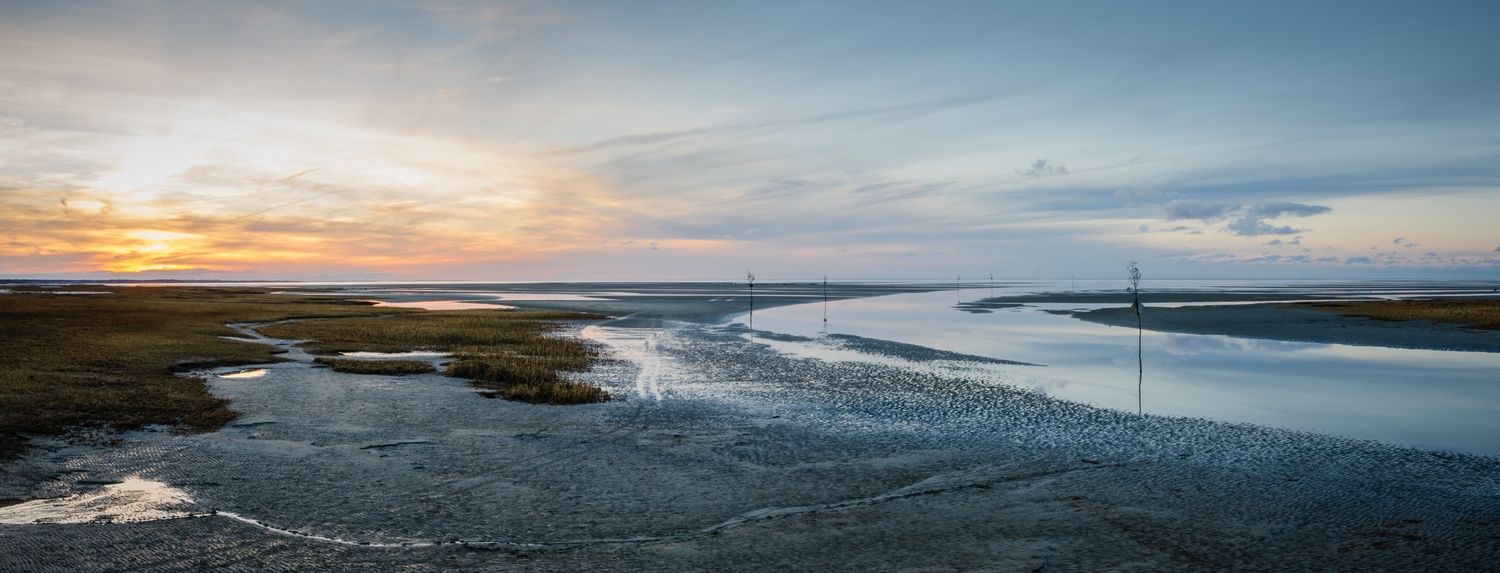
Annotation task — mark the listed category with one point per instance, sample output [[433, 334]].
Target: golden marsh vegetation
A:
[[515, 354], [1473, 313], [88, 364]]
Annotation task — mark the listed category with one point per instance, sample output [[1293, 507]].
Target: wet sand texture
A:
[[753, 460]]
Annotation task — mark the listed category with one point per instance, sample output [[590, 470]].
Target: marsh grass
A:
[[514, 354], [1473, 313], [556, 393], [86, 365], [377, 367]]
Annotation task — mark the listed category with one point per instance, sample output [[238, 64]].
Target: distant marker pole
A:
[[1135, 307], [750, 278]]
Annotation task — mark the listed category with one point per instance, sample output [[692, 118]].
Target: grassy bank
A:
[[85, 363], [1483, 314], [514, 354]]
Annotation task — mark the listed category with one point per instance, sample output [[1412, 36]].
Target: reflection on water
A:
[[128, 501], [441, 305], [256, 373], [1427, 398]]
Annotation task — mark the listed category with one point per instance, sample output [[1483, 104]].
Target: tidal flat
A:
[[737, 449]]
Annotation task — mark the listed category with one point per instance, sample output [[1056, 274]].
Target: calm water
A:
[[1428, 398]]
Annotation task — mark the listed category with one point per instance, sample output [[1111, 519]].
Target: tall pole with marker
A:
[[1135, 306], [750, 278]]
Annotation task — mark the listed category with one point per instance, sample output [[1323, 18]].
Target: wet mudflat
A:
[[809, 453], [1238, 357]]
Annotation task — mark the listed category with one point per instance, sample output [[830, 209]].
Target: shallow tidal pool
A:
[[1426, 398]]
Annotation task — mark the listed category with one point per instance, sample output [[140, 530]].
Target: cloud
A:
[[533, 163], [1276, 210], [1263, 259], [1274, 242], [1042, 169], [1250, 227], [1357, 261], [1250, 221], [1497, 250], [1194, 209]]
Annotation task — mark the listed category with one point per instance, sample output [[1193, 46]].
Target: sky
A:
[[646, 140]]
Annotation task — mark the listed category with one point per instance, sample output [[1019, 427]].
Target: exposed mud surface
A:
[[736, 456]]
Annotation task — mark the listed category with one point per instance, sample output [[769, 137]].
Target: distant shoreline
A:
[[122, 281]]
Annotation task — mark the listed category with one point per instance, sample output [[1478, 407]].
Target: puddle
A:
[[129, 501], [492, 295], [442, 305], [256, 373]]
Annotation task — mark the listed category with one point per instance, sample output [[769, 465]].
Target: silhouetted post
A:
[[956, 286], [825, 298], [750, 278], [1135, 289]]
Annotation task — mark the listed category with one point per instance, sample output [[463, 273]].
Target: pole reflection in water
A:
[[1421, 397]]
